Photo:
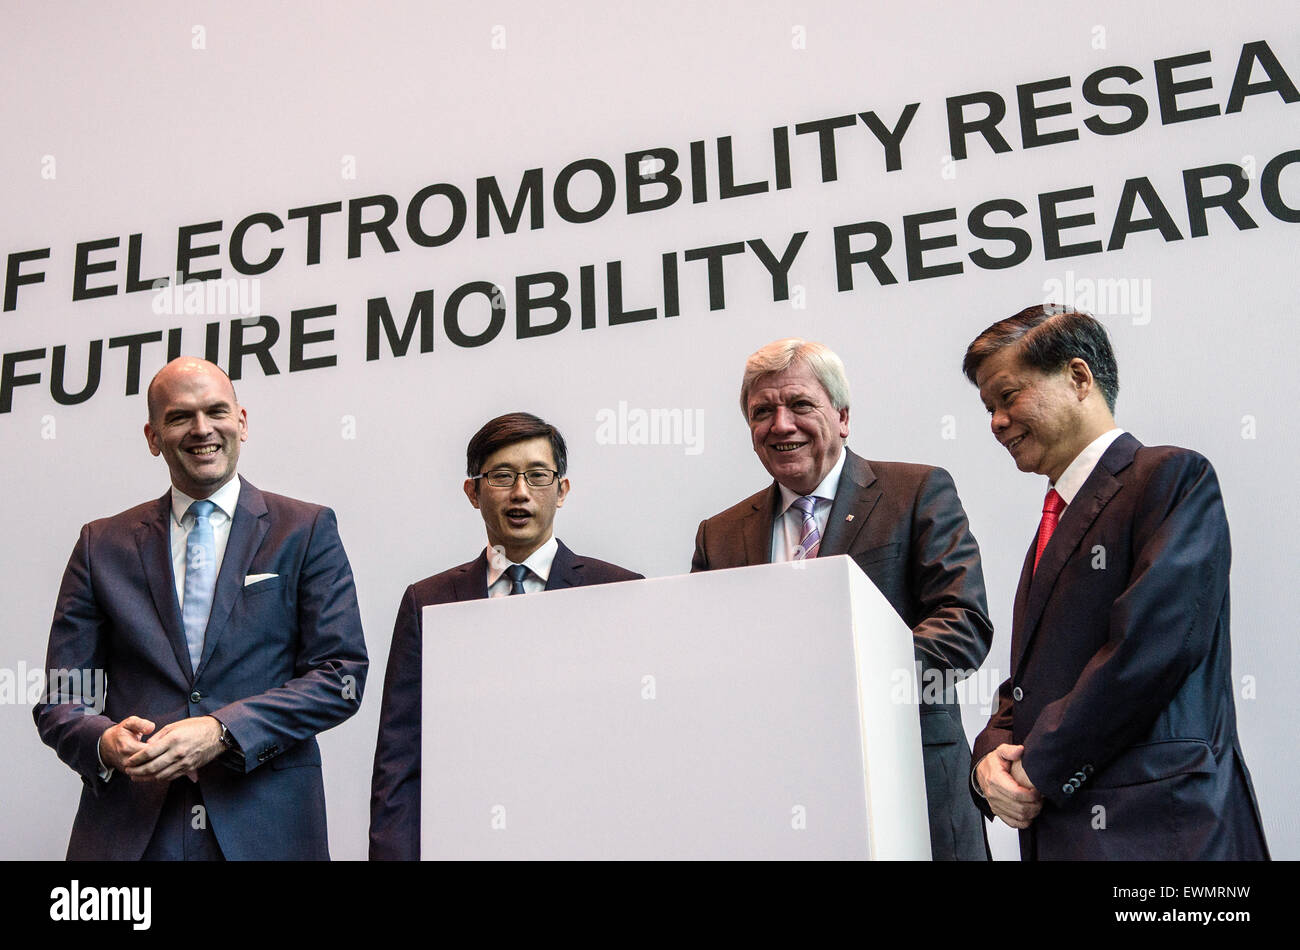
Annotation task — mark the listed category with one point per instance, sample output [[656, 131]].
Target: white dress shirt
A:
[[1077, 472], [538, 564], [787, 526], [225, 498]]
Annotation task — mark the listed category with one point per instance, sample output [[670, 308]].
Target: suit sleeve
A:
[[330, 664], [953, 631], [68, 719], [1160, 628], [395, 782], [700, 560]]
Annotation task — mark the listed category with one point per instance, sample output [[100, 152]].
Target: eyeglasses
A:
[[505, 478]]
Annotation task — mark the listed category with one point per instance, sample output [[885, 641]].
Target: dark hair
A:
[[1049, 336], [507, 430]]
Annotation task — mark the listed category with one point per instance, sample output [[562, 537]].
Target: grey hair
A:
[[782, 354]]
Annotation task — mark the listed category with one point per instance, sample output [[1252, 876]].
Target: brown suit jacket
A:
[[909, 534]]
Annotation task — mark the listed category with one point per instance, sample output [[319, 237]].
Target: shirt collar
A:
[[225, 498], [1077, 472], [825, 490], [539, 562]]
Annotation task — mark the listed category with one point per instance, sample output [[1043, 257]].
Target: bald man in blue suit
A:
[[214, 759]]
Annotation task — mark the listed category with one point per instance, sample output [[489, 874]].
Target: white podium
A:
[[757, 713]]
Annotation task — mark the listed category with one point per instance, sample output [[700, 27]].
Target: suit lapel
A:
[[756, 528], [153, 540], [855, 497], [1018, 629], [247, 529], [566, 569], [470, 582], [1077, 518]]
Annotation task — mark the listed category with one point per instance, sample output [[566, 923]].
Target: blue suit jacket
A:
[[283, 659], [395, 784], [1121, 679]]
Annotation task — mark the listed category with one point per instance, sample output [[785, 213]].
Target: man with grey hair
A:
[[903, 524]]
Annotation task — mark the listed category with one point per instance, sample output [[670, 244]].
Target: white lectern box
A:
[[762, 712]]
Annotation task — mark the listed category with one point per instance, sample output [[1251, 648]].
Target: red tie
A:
[[1053, 505]]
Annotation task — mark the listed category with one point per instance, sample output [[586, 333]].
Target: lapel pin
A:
[[848, 517]]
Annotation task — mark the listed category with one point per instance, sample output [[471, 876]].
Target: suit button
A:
[[196, 696], [1017, 694], [1087, 771], [1075, 783], [1067, 789]]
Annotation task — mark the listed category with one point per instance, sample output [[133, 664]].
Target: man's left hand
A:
[[1020, 775], [181, 748]]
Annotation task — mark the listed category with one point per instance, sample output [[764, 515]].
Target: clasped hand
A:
[[1006, 786], [179, 748]]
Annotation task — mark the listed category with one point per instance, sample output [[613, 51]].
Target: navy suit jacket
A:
[[1121, 680], [909, 534], [283, 659], [395, 784]]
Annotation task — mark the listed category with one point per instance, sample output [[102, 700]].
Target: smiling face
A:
[[797, 433], [1038, 417], [196, 425], [519, 519]]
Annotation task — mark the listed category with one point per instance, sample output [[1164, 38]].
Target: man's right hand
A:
[[120, 742], [1016, 804]]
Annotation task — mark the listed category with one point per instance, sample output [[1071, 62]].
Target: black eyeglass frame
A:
[[527, 474]]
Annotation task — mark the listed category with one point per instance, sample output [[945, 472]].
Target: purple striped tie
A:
[[810, 538]]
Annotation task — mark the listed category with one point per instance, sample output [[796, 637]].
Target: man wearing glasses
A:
[[516, 465]]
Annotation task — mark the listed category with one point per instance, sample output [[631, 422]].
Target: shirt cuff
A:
[[105, 773], [976, 785]]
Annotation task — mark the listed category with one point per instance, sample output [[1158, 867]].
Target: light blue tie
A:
[[200, 579], [810, 538], [517, 573]]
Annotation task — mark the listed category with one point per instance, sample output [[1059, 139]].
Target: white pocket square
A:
[[252, 579]]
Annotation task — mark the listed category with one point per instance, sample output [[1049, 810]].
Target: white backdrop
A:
[[142, 122]]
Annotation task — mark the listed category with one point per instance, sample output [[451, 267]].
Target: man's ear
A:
[[155, 449], [561, 490], [1080, 377], [844, 423], [471, 491]]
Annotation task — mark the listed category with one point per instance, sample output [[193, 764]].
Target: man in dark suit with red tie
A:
[[1115, 737], [516, 466], [902, 523]]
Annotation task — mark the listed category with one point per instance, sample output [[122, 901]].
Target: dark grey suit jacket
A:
[[395, 783], [1121, 679], [909, 534]]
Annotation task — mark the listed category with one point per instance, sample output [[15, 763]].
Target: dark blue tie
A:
[[516, 573]]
